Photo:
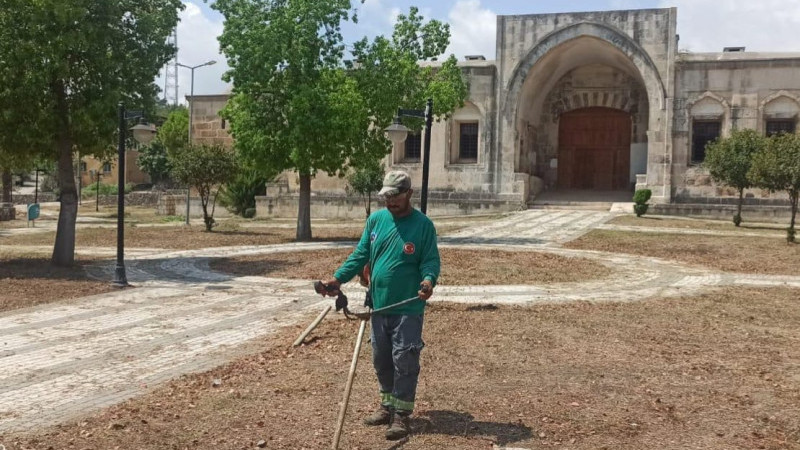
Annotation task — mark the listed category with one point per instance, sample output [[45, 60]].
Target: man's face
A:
[[399, 204]]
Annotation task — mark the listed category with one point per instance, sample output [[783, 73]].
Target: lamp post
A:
[[397, 133], [191, 111], [141, 133]]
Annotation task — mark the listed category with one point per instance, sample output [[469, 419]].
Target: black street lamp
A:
[[141, 133], [397, 133]]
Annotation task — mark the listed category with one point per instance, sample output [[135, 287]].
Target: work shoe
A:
[[399, 427], [380, 417]]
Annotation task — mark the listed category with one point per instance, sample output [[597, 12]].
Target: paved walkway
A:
[[62, 360]]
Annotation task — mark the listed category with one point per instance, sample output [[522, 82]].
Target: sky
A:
[[703, 26]]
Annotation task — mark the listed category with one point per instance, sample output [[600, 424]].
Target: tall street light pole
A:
[[141, 133], [191, 114], [397, 133]]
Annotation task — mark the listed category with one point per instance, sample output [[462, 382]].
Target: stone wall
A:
[[750, 213], [341, 207], [208, 127], [44, 197], [175, 205], [7, 212]]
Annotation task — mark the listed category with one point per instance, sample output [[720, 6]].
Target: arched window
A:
[[780, 115], [706, 119]]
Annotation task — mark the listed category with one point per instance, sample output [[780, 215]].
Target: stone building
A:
[[591, 104]]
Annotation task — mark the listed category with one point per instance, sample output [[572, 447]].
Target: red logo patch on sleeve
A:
[[408, 248]]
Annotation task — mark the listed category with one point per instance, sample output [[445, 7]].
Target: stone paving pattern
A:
[[61, 361]]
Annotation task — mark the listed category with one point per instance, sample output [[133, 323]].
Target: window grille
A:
[[468, 141], [703, 132]]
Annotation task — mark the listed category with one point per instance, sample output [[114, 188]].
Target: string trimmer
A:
[[363, 315]]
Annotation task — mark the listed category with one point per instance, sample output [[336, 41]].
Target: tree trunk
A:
[[739, 207], [304, 209], [7, 181], [794, 196], [64, 249], [204, 195]]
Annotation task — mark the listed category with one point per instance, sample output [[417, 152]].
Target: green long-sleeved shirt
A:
[[401, 253]]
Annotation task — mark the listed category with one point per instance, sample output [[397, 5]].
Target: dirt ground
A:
[[30, 281], [759, 255], [715, 371], [459, 266], [179, 237]]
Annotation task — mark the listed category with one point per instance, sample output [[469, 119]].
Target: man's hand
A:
[[332, 288], [425, 290]]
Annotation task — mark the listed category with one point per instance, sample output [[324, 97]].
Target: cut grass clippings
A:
[[178, 237], [459, 266], [713, 371], [698, 224], [30, 281], [746, 254]]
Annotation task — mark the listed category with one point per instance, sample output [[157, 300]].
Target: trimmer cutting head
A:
[[361, 313]]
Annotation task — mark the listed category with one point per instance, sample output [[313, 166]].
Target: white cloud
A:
[[473, 30], [197, 43], [765, 25]]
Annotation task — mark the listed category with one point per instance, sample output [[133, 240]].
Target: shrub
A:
[[105, 189], [640, 198], [239, 195]]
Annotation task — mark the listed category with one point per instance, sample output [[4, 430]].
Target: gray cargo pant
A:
[[396, 346]]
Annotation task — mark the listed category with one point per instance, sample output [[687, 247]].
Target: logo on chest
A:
[[408, 248], [373, 236]]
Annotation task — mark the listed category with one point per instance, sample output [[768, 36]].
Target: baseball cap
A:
[[394, 182]]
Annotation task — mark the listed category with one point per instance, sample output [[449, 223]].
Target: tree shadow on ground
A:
[[41, 269], [452, 423]]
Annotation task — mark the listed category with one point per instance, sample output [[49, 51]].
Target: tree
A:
[[66, 64], [314, 111], [205, 168], [728, 161], [154, 162], [366, 180], [174, 133], [777, 168]]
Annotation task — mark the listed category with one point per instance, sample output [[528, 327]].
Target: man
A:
[[399, 244]]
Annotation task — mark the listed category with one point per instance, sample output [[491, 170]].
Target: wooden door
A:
[[594, 147]]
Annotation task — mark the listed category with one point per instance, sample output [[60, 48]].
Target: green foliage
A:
[[640, 199], [777, 168], [105, 189], [65, 67], [366, 180], [154, 162], [239, 195], [172, 219], [174, 133], [642, 196], [728, 161], [316, 111], [205, 168]]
